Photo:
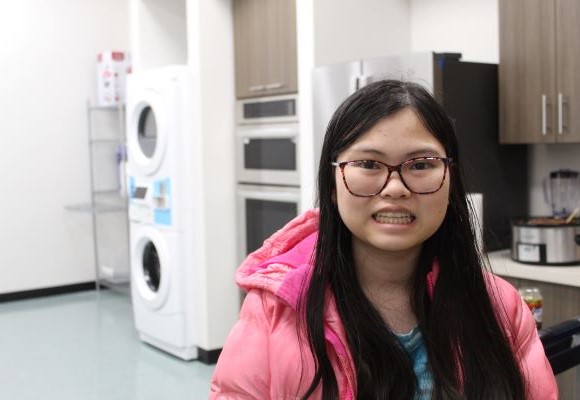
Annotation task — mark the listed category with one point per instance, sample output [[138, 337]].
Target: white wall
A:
[[158, 33], [305, 50], [471, 27], [48, 63], [546, 158], [211, 58], [347, 30], [466, 26]]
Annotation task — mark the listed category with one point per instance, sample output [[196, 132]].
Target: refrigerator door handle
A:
[[354, 84], [359, 81], [363, 80]]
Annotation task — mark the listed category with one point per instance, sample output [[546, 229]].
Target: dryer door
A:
[[146, 133], [150, 261]]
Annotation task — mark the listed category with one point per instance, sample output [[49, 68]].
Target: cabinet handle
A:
[[256, 88], [276, 85], [561, 102], [544, 129]]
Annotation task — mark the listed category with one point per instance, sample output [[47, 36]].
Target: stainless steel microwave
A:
[[267, 110], [268, 154]]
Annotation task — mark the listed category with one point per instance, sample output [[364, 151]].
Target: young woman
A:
[[381, 293]]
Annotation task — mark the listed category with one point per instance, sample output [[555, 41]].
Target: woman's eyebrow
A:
[[368, 150], [424, 151]]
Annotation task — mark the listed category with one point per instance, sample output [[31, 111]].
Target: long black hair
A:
[[469, 354]]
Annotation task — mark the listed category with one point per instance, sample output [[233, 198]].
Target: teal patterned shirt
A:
[[415, 346]]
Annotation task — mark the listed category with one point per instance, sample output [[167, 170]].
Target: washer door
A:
[[146, 132], [150, 268]]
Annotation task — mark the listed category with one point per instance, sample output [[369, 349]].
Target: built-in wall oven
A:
[[262, 210], [267, 168]]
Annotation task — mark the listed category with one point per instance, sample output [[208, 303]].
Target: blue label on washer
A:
[[131, 188], [162, 196], [162, 217]]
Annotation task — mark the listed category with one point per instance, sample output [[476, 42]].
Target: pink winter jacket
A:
[[266, 358]]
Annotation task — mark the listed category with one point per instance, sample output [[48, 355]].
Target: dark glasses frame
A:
[[392, 168]]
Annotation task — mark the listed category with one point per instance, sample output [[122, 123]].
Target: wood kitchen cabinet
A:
[[560, 303], [265, 47], [539, 71]]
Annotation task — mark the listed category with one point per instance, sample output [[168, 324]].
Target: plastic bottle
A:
[[533, 298]]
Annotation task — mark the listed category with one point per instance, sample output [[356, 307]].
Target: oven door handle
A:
[[255, 192], [271, 131]]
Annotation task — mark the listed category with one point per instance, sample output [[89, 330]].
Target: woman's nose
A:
[[395, 187]]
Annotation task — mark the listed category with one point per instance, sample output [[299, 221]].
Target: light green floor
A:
[[83, 346]]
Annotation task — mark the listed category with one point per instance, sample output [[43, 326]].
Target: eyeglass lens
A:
[[367, 177]]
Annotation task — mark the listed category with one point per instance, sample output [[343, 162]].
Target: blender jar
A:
[[562, 192]]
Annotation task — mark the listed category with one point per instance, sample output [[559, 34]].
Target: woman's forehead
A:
[[401, 134]]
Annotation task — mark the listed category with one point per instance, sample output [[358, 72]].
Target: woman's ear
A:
[[333, 197]]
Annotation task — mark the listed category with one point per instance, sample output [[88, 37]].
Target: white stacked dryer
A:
[[160, 167]]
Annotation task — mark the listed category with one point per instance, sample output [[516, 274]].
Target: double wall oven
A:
[[267, 170]]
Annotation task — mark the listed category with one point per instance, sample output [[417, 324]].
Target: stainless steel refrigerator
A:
[[468, 91]]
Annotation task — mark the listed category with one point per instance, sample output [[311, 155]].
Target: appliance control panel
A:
[[149, 201]]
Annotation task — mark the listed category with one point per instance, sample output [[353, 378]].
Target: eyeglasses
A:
[[367, 178]]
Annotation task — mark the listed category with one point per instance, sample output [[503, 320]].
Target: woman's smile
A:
[[394, 217]]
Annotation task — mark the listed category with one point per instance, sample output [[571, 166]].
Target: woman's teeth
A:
[[393, 217]]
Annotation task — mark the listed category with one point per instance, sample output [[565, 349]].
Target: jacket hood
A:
[[284, 261]]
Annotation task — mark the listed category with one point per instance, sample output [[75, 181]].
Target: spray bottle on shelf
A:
[[121, 157]]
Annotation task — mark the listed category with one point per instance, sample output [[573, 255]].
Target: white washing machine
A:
[[163, 303], [160, 182]]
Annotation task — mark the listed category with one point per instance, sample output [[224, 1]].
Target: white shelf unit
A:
[[108, 202]]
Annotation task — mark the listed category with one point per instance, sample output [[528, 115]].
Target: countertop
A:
[[502, 264]]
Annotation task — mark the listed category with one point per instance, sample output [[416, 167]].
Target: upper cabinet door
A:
[[282, 63], [250, 46], [527, 71], [568, 77], [265, 47]]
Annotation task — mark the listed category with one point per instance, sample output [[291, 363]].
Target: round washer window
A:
[[151, 267], [147, 134]]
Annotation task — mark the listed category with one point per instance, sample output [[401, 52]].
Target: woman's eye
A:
[[367, 164], [421, 165]]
